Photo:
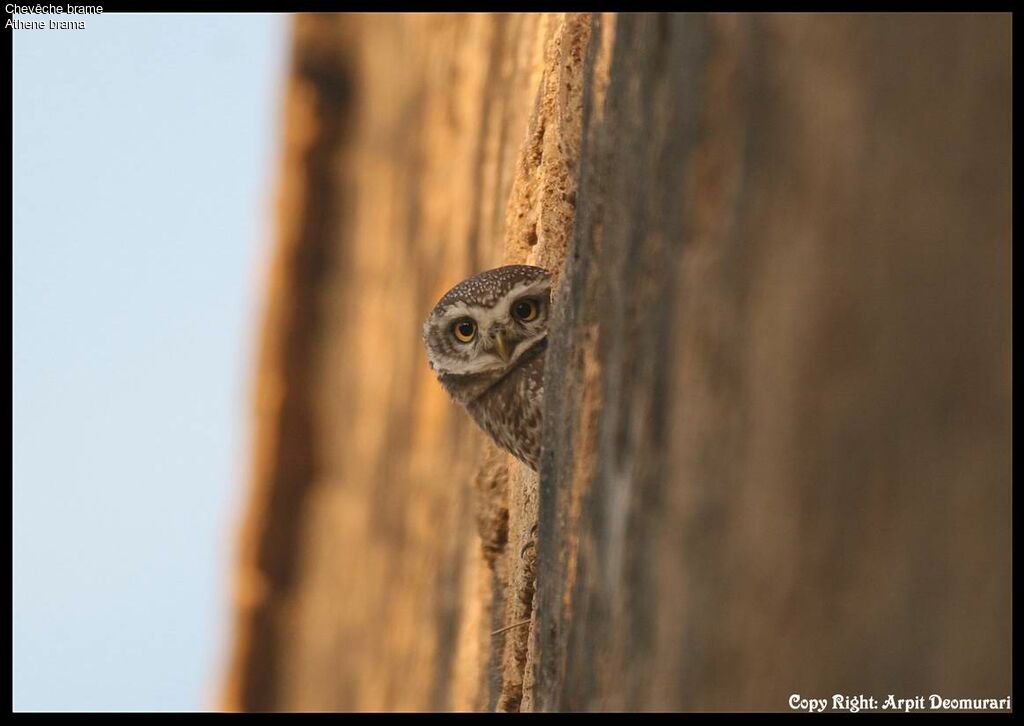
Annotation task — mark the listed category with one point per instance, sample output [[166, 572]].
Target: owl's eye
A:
[[526, 310], [464, 330]]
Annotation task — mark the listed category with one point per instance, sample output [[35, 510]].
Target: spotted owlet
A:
[[485, 341]]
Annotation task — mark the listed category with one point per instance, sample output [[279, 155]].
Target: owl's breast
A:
[[510, 411]]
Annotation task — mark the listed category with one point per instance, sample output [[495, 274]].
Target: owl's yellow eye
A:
[[464, 330], [526, 310]]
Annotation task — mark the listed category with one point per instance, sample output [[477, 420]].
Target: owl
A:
[[485, 341]]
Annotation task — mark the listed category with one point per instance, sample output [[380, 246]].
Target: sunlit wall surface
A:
[[144, 149]]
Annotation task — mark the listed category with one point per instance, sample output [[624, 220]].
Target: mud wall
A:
[[779, 367]]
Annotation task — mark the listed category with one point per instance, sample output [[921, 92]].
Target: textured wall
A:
[[796, 324], [779, 372]]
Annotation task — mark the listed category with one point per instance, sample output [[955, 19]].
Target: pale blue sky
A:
[[144, 153]]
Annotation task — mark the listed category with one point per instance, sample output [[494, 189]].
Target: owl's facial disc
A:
[[464, 337]]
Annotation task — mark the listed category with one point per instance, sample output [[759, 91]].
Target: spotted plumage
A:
[[486, 340]]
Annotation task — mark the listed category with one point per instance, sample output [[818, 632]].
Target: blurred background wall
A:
[[779, 367]]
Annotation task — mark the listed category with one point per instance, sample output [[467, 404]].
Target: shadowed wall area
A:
[[777, 445]]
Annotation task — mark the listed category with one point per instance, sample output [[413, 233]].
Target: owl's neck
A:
[[468, 387]]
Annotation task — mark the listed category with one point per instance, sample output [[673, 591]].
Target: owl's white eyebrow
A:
[[483, 314], [461, 310]]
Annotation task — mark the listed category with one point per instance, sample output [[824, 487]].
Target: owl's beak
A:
[[502, 347]]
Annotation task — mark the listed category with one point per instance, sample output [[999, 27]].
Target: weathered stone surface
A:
[[777, 453], [785, 363]]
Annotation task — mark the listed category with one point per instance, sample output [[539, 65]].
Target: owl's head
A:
[[486, 323]]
